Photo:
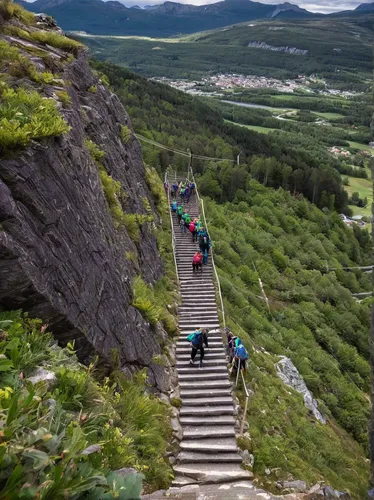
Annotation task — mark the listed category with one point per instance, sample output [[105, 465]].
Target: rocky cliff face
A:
[[288, 50], [61, 256]]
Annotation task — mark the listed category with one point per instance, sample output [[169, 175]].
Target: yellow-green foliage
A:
[[156, 187], [152, 303], [92, 89], [44, 444], [64, 98], [126, 134], [147, 205], [26, 116], [131, 256], [11, 10], [56, 40], [96, 153]]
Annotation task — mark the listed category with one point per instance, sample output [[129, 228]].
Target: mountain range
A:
[[167, 19]]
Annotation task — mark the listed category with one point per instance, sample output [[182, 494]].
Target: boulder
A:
[[299, 486], [177, 428], [290, 375], [42, 375]]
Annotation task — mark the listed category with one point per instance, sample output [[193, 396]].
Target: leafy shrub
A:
[[56, 40], [92, 89], [145, 302], [27, 116], [9, 9], [126, 134], [66, 449], [64, 98]]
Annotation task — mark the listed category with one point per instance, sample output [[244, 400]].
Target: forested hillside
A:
[[291, 245], [339, 49], [176, 119]]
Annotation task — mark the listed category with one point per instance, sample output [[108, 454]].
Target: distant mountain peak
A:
[[365, 7]]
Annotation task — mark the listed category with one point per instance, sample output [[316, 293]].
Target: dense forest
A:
[[179, 120]]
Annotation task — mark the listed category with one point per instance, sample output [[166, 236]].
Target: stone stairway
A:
[[208, 451]]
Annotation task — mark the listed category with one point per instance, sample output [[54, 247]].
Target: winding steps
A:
[[208, 450]]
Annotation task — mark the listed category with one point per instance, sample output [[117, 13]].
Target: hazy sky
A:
[[325, 6]]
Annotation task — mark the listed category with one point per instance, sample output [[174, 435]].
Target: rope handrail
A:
[[213, 264]]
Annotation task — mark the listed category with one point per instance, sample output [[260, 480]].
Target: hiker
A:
[[179, 212], [183, 226], [240, 358], [197, 261], [166, 186], [192, 229], [205, 257], [174, 205], [203, 241], [229, 336], [232, 344], [198, 339], [187, 218]]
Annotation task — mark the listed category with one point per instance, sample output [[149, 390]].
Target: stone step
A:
[[209, 356], [205, 431], [205, 473], [212, 343], [209, 445], [191, 457], [203, 392], [208, 384], [202, 376], [209, 420], [206, 411], [214, 401], [207, 369], [207, 362], [211, 350]]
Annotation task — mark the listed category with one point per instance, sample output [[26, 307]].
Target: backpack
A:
[[188, 219], [196, 259], [197, 339], [190, 337], [180, 210], [192, 227], [241, 352]]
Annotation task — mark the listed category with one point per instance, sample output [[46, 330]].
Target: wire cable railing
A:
[[173, 239]]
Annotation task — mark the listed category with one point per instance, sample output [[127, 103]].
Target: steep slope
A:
[[76, 212]]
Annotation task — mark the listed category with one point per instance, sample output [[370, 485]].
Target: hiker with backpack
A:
[[192, 229], [232, 344], [197, 262], [240, 358], [204, 242], [174, 205], [198, 339], [179, 212]]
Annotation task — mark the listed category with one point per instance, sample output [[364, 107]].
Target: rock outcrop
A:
[[288, 50], [62, 258], [290, 375]]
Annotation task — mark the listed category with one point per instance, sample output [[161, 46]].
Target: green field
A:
[[256, 128], [362, 147], [365, 189], [329, 116]]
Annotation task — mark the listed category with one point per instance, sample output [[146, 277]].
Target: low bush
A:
[[56, 40], [27, 116], [64, 440], [92, 89], [126, 134], [64, 97]]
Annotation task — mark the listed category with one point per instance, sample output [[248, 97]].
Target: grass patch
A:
[[92, 89], [152, 303], [56, 40], [68, 449], [361, 147], [329, 116], [64, 97], [27, 116], [11, 10], [255, 128]]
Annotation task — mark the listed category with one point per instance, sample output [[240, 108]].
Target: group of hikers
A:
[[198, 232], [236, 351], [184, 189]]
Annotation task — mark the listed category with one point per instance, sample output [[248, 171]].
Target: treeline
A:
[[178, 120]]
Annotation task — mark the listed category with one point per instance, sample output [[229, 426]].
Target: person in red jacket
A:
[[192, 228], [197, 262]]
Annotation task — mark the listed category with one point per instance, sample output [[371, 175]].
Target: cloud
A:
[[323, 6]]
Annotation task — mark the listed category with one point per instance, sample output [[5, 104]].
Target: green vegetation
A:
[[64, 97], [364, 189], [152, 303], [64, 439], [56, 40], [227, 51], [313, 319], [92, 89], [10, 10], [125, 134], [27, 116], [180, 121]]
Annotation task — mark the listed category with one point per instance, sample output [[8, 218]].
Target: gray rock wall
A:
[[61, 258]]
